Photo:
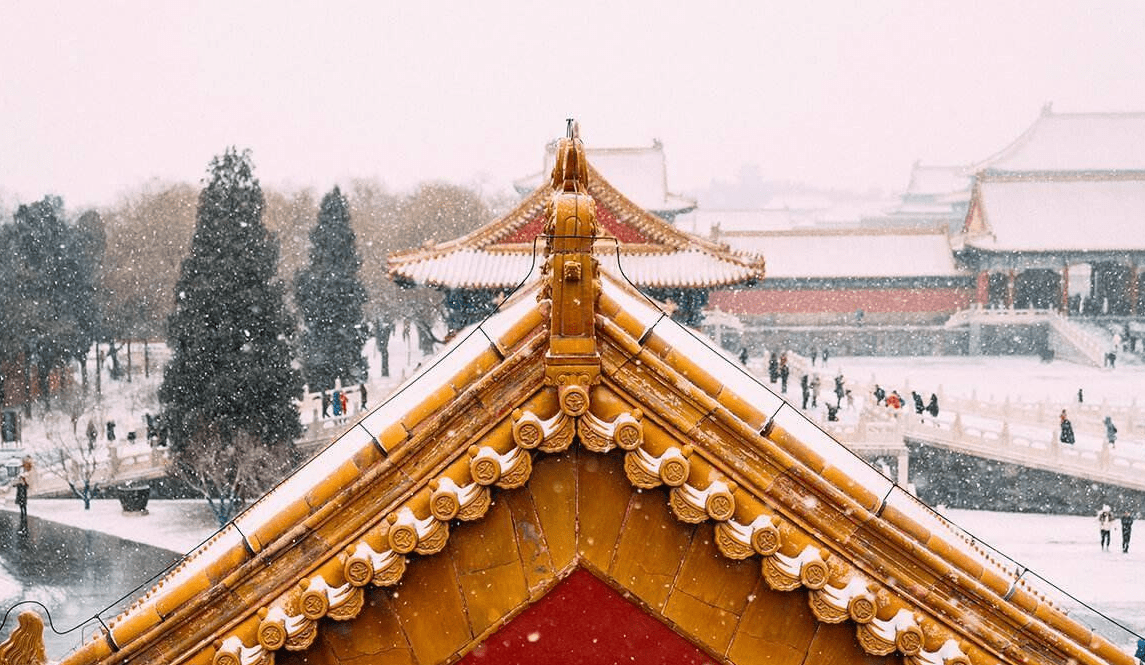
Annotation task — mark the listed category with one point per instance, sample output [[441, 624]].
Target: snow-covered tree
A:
[[230, 380], [330, 296], [47, 289]]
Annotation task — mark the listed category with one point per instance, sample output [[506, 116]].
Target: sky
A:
[[96, 98]]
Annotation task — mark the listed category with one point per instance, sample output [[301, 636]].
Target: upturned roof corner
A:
[[572, 362]]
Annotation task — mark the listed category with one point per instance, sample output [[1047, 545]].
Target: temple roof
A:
[[580, 428], [1075, 142], [1092, 213], [853, 252], [641, 173], [655, 254]]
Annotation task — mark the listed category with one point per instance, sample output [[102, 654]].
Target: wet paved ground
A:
[[73, 572]]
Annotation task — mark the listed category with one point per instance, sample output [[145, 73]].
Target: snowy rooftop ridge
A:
[[1075, 142]]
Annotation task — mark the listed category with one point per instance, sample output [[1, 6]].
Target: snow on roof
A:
[[851, 253], [641, 173], [930, 181], [690, 267], [703, 221], [1076, 142], [1077, 214]]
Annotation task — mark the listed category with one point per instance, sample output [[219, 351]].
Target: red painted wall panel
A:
[[583, 621], [761, 301]]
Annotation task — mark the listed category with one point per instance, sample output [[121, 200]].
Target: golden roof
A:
[[653, 252], [580, 428]]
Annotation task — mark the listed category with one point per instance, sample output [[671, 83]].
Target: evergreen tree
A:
[[230, 380], [330, 297], [47, 290]]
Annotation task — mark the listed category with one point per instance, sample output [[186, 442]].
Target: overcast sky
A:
[[98, 97]]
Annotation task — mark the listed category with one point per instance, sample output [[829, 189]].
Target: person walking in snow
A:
[[1066, 434], [824, 355], [805, 389], [743, 356], [894, 401], [814, 352], [325, 405], [919, 407], [1105, 525], [839, 390], [1110, 431], [880, 394], [1126, 530], [814, 391], [1080, 396], [362, 395], [22, 497], [772, 367], [784, 372]]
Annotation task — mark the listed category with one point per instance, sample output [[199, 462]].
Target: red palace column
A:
[[982, 297]]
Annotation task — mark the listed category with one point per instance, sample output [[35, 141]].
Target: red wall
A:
[[761, 301], [583, 621]]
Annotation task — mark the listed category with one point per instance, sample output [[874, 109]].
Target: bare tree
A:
[[71, 455], [229, 472]]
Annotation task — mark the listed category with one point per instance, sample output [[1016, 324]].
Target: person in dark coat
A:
[[824, 355], [362, 395], [880, 394], [1066, 435], [805, 388], [840, 390], [1110, 432], [772, 367], [1126, 530], [784, 372], [932, 406], [325, 405], [919, 407], [743, 356], [814, 353], [22, 497]]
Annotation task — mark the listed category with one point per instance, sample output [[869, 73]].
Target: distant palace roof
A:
[[1061, 214], [1075, 142], [580, 431], [653, 252], [1073, 182], [824, 253]]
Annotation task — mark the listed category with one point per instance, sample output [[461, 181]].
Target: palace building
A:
[[680, 269], [1067, 195], [579, 479]]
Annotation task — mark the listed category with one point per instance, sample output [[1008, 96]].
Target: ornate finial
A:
[[570, 171], [572, 363], [25, 646]]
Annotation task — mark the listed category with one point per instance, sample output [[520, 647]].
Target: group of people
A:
[[1105, 520], [895, 401], [339, 403], [1065, 430]]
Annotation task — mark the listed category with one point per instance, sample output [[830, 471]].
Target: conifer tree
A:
[[330, 297], [47, 292], [230, 383]]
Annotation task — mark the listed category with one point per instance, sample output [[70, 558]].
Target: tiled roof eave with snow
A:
[[487, 258], [503, 269]]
